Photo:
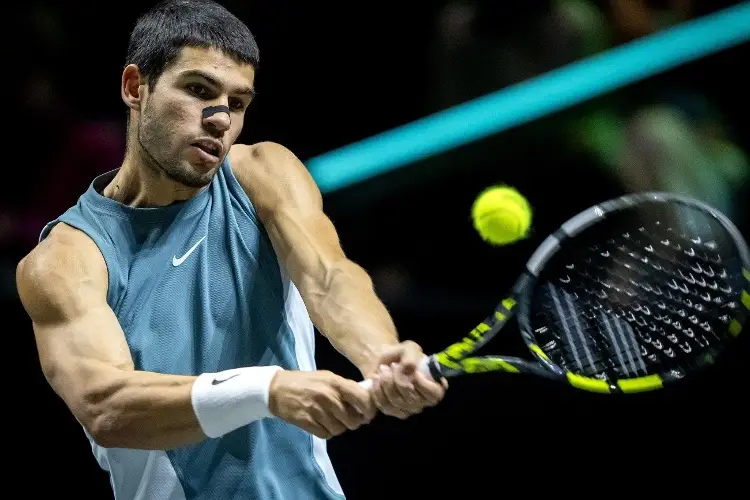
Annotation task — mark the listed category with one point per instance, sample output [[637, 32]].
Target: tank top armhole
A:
[[237, 191], [105, 249]]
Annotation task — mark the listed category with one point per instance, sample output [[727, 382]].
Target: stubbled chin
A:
[[190, 175]]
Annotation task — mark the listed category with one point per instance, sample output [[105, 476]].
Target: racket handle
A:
[[423, 366]]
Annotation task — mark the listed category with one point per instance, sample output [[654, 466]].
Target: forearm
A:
[[338, 293], [147, 410], [346, 309], [141, 410]]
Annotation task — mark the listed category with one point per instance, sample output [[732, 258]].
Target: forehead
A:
[[215, 63]]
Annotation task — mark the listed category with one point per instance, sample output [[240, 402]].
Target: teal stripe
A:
[[531, 99]]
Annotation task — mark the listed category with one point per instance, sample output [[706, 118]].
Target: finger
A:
[[331, 414], [359, 400], [316, 430], [405, 386], [430, 391], [408, 398], [389, 387], [346, 414], [393, 403], [358, 418], [410, 356], [391, 354], [376, 393], [383, 403], [331, 424], [378, 396]]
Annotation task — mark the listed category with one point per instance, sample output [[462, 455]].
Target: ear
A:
[[131, 87]]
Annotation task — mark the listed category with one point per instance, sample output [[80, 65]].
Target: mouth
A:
[[210, 148]]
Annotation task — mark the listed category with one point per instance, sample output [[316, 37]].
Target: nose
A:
[[217, 118]]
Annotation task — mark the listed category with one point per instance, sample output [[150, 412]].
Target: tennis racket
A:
[[628, 296]]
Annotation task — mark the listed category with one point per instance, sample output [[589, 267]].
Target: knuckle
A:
[[310, 409], [410, 343], [396, 399], [321, 397]]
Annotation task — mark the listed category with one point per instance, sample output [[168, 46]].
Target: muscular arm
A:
[[337, 292], [84, 356]]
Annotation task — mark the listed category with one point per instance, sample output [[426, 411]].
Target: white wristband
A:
[[230, 399]]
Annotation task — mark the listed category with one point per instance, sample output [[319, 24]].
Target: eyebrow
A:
[[216, 83]]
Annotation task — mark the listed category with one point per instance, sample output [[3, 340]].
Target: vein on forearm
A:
[[338, 293]]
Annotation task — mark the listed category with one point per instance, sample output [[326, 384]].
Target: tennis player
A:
[[173, 305]]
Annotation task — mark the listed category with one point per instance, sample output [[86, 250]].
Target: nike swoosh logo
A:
[[176, 262], [217, 382]]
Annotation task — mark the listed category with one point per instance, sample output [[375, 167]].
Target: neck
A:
[[140, 185]]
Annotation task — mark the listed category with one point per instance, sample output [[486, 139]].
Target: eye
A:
[[237, 104], [198, 90]]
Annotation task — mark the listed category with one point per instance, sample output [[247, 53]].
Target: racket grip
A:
[[423, 366]]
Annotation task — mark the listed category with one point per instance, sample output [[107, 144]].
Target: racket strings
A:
[[639, 301]]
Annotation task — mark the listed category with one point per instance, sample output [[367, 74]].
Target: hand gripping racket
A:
[[627, 296]]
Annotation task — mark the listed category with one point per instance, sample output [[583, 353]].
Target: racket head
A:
[[635, 293]]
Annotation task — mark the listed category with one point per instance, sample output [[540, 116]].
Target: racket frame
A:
[[456, 359]]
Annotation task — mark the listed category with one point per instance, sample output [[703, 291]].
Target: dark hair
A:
[[160, 34]]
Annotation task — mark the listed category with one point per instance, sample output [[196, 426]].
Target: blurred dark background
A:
[[333, 73]]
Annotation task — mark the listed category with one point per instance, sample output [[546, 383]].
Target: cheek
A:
[[176, 115], [163, 124]]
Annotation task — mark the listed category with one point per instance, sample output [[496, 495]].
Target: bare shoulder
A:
[[55, 276], [272, 174], [268, 161]]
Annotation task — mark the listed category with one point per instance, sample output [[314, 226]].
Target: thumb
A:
[[391, 354], [386, 355], [407, 354], [411, 356]]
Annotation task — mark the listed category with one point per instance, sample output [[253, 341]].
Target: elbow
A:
[[95, 400], [101, 418], [102, 426]]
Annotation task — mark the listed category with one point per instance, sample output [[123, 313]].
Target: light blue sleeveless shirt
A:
[[197, 287]]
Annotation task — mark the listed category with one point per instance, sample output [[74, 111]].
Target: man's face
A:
[[172, 132]]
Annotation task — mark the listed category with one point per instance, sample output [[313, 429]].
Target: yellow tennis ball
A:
[[501, 215]]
